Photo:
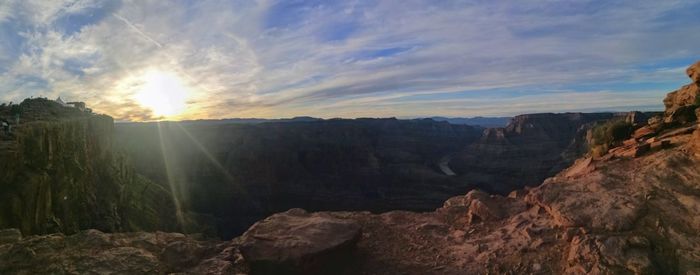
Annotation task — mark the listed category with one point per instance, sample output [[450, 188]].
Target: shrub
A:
[[599, 150], [609, 134], [620, 131]]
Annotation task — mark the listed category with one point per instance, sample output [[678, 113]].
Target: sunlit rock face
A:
[[680, 104], [58, 173]]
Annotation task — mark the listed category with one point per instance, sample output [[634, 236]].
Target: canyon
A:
[[537, 202], [234, 174]]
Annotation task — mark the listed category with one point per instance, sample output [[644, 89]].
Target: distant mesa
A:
[[486, 122]]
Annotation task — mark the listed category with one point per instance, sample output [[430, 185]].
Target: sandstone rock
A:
[[630, 142], [684, 97], [431, 227], [118, 260], [655, 122], [479, 206], [517, 194], [10, 235], [581, 167], [601, 254], [681, 115], [632, 151], [660, 144], [299, 243], [482, 207], [94, 252], [679, 132], [643, 132], [481, 210], [182, 254], [694, 72], [695, 141], [605, 209], [91, 237]]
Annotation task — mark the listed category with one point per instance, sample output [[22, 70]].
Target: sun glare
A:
[[164, 93]]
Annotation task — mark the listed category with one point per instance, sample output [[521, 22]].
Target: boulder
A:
[[644, 132], [473, 207], [483, 210], [660, 144], [681, 115], [684, 97], [297, 242], [694, 72], [679, 132], [181, 254], [655, 122], [635, 151], [630, 142]]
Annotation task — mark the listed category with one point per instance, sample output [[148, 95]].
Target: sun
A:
[[164, 93]]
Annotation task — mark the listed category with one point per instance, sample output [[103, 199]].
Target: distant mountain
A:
[[486, 122]]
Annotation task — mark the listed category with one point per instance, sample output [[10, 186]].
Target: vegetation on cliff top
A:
[[607, 134]]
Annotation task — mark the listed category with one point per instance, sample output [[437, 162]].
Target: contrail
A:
[[144, 35]]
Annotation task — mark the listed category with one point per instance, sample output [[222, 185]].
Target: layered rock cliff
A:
[[531, 148], [58, 173]]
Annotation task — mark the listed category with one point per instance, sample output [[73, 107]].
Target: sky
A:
[[142, 60]]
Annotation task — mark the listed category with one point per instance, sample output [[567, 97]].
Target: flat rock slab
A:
[[297, 242]]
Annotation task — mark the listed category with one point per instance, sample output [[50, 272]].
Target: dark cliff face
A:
[[61, 175], [525, 152], [241, 173]]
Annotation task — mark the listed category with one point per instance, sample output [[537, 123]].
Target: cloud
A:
[[350, 58]]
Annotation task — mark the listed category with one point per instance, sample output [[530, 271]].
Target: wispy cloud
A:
[[137, 30], [350, 58]]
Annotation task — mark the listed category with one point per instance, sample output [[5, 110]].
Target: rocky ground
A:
[[633, 210]]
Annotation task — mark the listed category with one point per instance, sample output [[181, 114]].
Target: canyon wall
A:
[[237, 174], [525, 152], [61, 175]]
